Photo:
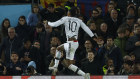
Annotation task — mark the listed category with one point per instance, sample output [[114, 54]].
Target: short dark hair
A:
[[26, 40], [13, 52], [108, 37], [23, 17], [73, 11], [51, 5], [99, 6], [95, 10], [92, 51], [100, 37], [33, 6], [39, 25]]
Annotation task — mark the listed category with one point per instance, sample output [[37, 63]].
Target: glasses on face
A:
[[21, 20]]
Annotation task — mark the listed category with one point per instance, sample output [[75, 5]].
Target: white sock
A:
[[74, 68], [57, 55]]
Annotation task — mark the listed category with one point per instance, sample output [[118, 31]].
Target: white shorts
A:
[[70, 48]]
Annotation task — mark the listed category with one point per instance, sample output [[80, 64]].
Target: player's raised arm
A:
[[86, 29], [57, 23]]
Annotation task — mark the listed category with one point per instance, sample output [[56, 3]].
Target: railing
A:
[[69, 77]]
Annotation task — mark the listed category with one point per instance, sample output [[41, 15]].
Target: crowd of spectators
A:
[[29, 48]]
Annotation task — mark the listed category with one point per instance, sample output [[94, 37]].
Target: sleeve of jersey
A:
[[57, 23], [86, 29]]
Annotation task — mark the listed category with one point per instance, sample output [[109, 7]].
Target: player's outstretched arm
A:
[[57, 23], [86, 29]]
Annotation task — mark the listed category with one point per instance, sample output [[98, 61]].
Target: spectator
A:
[[50, 57], [95, 18], [109, 9], [89, 46], [100, 42], [130, 19], [126, 58], [127, 68], [24, 52], [34, 17], [31, 69], [91, 64], [127, 32], [133, 57], [55, 41], [22, 30], [103, 32], [4, 27], [92, 26], [69, 4], [50, 13], [133, 31], [45, 40], [106, 68], [110, 50], [136, 67], [120, 41], [113, 23], [99, 8], [133, 44], [131, 11], [15, 67], [36, 55], [37, 32], [120, 10], [9, 44]]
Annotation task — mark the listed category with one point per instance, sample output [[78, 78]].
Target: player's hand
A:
[[94, 38]]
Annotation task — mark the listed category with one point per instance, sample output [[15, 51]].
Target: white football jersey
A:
[[72, 26]]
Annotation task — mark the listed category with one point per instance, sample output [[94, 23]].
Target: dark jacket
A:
[[114, 53], [23, 52], [22, 31], [11, 68], [130, 45], [35, 55], [121, 42], [94, 67], [113, 26], [46, 15], [9, 45]]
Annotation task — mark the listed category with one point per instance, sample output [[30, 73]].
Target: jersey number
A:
[[72, 26]]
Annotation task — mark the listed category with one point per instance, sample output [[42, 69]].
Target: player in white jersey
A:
[[72, 25]]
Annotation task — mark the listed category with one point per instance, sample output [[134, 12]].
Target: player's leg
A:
[[70, 49], [70, 65], [57, 57]]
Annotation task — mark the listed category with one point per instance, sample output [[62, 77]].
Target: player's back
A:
[[72, 25]]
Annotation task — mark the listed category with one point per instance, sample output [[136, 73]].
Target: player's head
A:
[[72, 12]]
